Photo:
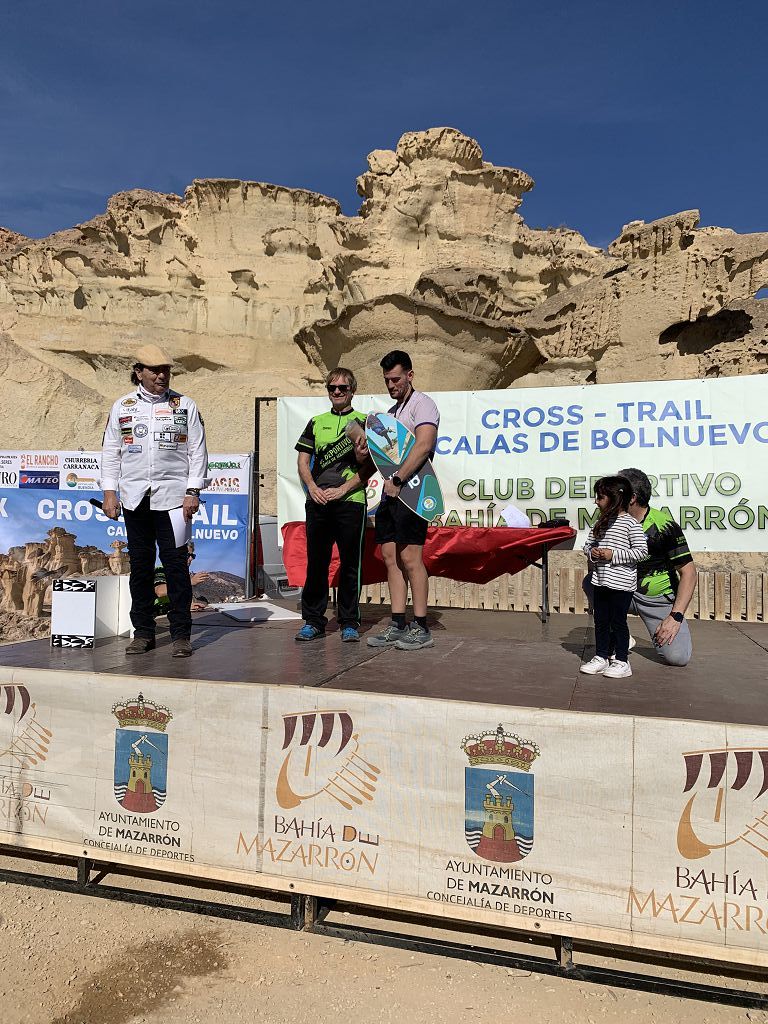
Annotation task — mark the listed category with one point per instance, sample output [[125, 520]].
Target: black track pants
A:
[[149, 530], [342, 523]]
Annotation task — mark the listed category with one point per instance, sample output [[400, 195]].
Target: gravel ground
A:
[[71, 959]]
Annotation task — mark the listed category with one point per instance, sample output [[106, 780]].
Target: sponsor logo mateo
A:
[[39, 480]]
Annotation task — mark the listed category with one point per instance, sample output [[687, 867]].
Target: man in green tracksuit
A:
[[335, 509], [666, 579]]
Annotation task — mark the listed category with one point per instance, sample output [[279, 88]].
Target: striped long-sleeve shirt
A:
[[626, 540]]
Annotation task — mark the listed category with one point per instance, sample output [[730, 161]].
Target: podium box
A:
[[86, 609]]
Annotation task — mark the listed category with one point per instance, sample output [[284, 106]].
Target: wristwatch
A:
[[677, 616], [396, 480], [193, 492]]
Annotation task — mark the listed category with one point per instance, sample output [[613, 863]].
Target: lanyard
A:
[[399, 408]]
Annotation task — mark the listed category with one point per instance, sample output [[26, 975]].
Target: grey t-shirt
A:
[[416, 410]]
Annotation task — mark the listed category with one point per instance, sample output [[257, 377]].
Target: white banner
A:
[[645, 832], [703, 443]]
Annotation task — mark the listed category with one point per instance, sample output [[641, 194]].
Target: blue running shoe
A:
[[349, 635], [308, 632]]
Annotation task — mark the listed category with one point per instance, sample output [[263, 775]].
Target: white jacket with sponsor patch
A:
[[156, 444]]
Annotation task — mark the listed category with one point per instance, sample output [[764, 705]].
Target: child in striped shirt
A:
[[615, 545]]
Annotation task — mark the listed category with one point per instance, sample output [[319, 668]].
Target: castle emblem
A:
[[141, 754], [498, 795]]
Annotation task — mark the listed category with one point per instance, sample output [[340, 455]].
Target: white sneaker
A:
[[618, 669], [594, 667], [632, 642]]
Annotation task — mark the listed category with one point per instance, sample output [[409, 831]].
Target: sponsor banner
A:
[[646, 832], [229, 474], [10, 470], [703, 443], [43, 490]]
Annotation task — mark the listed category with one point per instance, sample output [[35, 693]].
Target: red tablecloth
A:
[[470, 554]]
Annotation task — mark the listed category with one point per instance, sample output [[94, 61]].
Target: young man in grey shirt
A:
[[399, 531]]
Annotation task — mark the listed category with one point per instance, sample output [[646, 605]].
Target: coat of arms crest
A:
[[498, 789]]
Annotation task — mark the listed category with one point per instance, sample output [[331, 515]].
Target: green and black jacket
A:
[[332, 454]]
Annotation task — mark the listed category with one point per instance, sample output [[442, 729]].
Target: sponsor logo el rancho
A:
[[39, 460]]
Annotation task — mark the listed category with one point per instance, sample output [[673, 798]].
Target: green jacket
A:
[[332, 454]]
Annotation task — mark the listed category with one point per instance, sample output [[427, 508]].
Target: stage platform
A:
[[486, 657]]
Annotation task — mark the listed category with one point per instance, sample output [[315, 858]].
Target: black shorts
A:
[[396, 523]]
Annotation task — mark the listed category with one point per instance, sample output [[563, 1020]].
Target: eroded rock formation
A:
[[258, 289]]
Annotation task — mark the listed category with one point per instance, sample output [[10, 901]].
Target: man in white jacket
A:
[[154, 454]]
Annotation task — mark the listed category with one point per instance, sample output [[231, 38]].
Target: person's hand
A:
[[361, 448], [198, 577], [318, 495], [334, 493], [190, 506], [603, 554], [110, 506], [666, 631], [391, 490]]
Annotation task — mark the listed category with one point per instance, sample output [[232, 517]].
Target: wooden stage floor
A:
[[489, 657]]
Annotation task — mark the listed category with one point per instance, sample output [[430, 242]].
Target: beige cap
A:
[[152, 355]]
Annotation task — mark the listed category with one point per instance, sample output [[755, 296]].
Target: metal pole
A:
[[254, 588], [544, 583], [253, 574]]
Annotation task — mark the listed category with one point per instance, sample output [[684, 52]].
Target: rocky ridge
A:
[[259, 289]]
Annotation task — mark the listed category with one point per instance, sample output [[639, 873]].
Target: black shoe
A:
[[140, 645], [182, 648]]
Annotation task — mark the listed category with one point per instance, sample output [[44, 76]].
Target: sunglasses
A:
[[343, 388]]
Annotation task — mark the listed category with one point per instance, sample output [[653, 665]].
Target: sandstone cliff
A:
[[258, 289]]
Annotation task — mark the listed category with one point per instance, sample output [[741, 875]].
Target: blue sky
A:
[[618, 110]]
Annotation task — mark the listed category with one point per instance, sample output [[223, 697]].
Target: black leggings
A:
[[611, 629]]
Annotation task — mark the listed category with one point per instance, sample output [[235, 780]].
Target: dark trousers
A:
[[342, 523], [610, 609], [149, 530]]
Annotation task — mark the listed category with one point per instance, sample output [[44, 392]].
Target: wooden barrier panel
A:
[[648, 833], [723, 596]]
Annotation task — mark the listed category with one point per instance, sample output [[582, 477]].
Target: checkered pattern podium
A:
[[84, 610]]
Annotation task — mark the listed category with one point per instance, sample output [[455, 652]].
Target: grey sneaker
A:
[[388, 637], [417, 638]]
